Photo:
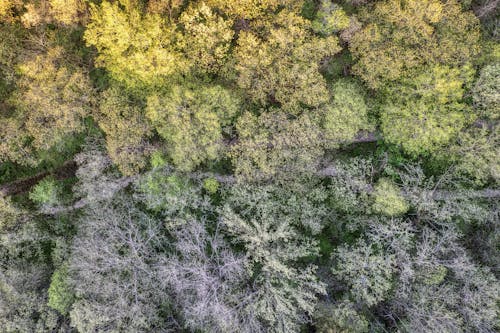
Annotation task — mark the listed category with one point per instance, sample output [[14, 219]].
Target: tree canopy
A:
[[253, 166]]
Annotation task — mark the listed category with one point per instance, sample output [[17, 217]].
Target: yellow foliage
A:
[[283, 66], [207, 38], [53, 98], [126, 131], [388, 200], [68, 12], [170, 7], [35, 14], [14, 142], [420, 127], [400, 36], [251, 9], [7, 8], [138, 50], [426, 110]]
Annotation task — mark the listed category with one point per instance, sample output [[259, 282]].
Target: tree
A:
[[272, 145], [476, 153], [341, 317], [252, 9], [35, 13], [9, 214], [207, 38], [330, 18], [7, 9], [23, 300], [443, 289], [367, 271], [46, 192], [401, 36], [346, 114], [139, 50], [170, 7], [97, 179], [171, 194], [283, 65], [424, 112], [350, 185], [25, 270], [485, 92], [114, 267], [60, 293], [208, 280], [388, 199], [285, 291], [126, 129], [53, 98], [191, 119], [68, 12]]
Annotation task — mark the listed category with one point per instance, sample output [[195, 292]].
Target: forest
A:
[[251, 166]]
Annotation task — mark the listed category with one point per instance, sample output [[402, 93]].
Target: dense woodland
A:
[[249, 166]]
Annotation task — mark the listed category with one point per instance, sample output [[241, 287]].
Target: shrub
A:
[[388, 199], [46, 192], [61, 295]]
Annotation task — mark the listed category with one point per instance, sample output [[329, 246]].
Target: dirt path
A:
[[65, 171]]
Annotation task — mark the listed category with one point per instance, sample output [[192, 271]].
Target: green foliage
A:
[[340, 318], [485, 93], [172, 195], [366, 271], [126, 129], [211, 185], [347, 113], [158, 160], [46, 192], [9, 214], [387, 199], [191, 119], [426, 111], [61, 295], [272, 145]]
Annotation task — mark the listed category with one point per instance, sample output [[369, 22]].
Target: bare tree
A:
[[114, 270], [209, 281]]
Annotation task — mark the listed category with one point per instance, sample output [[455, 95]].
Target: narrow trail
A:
[[65, 171]]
